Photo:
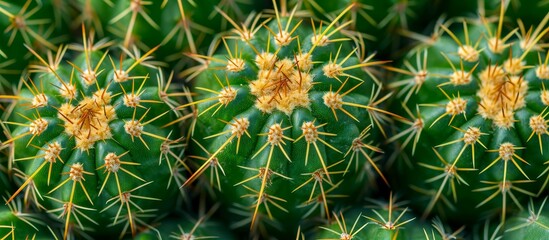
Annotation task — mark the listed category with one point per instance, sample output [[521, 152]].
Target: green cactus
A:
[[532, 223], [288, 121], [528, 12], [38, 24], [179, 27], [487, 230], [18, 223], [471, 8], [380, 23], [89, 138], [5, 184], [385, 220], [478, 130], [185, 226]]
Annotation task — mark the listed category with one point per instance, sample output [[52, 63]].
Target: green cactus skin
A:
[[293, 135], [533, 223], [252, 131], [90, 138], [487, 230], [179, 27], [529, 12], [385, 220], [17, 223], [380, 22], [5, 185], [470, 8], [38, 24], [475, 153], [35, 23], [188, 228]]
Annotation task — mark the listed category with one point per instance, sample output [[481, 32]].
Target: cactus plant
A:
[[291, 110], [39, 24], [184, 226], [380, 23], [478, 130], [385, 220], [288, 119], [532, 223], [179, 27], [18, 223], [88, 137]]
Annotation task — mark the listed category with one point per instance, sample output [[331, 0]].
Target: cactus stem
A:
[[318, 178], [344, 233], [546, 179], [438, 225], [184, 28], [259, 175], [538, 124], [449, 172], [47, 159], [264, 199], [238, 128], [542, 70], [388, 223], [311, 135], [214, 164], [532, 218], [470, 137], [125, 200], [358, 146], [75, 210], [417, 74], [11, 232], [224, 97], [458, 77], [413, 132], [261, 192], [507, 153], [166, 152], [112, 165], [529, 39], [321, 201], [36, 127], [504, 188], [248, 29], [20, 23], [455, 106], [135, 8], [189, 235], [466, 51], [76, 174], [122, 75]]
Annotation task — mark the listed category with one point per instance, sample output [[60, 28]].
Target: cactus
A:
[[287, 120], [179, 27], [380, 23], [282, 115], [5, 184], [187, 227], [477, 134], [527, 12], [385, 220], [472, 7], [532, 223], [17, 223], [88, 137], [38, 24]]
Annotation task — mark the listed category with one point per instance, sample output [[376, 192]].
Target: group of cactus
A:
[[283, 119]]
